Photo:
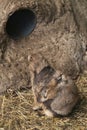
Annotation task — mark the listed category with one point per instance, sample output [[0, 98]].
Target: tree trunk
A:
[[58, 36], [80, 13]]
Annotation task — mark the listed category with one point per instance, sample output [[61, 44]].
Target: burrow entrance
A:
[[21, 23]]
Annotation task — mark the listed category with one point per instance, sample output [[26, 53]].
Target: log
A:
[[50, 28]]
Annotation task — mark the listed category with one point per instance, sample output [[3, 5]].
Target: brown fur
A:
[[53, 91]]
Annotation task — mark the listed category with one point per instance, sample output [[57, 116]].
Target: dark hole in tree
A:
[[21, 23]]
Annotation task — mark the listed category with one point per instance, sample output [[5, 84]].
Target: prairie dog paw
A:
[[48, 113], [36, 107]]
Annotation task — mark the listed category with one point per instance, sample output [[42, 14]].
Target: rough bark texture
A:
[[80, 11], [60, 36]]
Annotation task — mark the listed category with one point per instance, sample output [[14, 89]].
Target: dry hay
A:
[[16, 112]]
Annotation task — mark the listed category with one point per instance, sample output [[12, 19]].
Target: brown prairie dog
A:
[[53, 91]]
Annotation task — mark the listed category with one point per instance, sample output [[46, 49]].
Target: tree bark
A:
[[80, 13], [58, 36]]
